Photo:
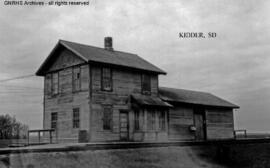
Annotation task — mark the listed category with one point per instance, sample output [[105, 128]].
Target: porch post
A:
[[50, 136], [144, 123], [166, 121], [39, 137]]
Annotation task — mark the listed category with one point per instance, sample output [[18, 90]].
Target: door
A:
[[124, 125], [199, 120]]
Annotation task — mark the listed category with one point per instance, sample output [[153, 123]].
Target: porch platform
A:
[[122, 145]]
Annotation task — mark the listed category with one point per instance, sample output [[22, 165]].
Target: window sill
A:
[[103, 90]]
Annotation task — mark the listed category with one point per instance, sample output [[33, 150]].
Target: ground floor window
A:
[[54, 120], [107, 118], [76, 118], [151, 120], [161, 120], [156, 120], [137, 120]]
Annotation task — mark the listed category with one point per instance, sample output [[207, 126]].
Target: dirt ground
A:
[[163, 157], [235, 156]]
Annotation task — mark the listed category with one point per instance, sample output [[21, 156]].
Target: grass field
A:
[[235, 156]]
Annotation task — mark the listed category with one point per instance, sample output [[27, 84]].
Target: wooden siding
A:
[[180, 119], [64, 102], [124, 84], [65, 59], [219, 123]]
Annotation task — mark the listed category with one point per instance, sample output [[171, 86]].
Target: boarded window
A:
[[161, 120], [146, 84], [54, 120], [151, 122], [76, 83], [55, 83], [107, 118], [106, 79], [76, 118]]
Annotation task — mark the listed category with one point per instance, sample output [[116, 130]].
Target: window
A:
[[146, 84], [137, 120], [55, 83], [76, 77], [107, 118], [161, 120], [54, 120], [76, 118], [106, 79], [151, 120], [48, 84]]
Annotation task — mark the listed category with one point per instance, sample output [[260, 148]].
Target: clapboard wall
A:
[[219, 123], [124, 84], [180, 120], [64, 102]]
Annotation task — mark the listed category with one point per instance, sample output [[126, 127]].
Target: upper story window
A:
[[55, 83], [146, 84], [106, 79], [76, 79]]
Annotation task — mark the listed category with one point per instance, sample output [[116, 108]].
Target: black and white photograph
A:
[[134, 84]]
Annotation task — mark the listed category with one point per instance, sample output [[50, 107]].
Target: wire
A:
[[16, 78], [19, 87]]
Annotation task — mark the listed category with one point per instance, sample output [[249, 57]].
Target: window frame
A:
[[137, 120], [54, 120], [76, 119], [107, 123], [73, 79], [110, 79], [161, 120], [57, 84], [151, 123], [145, 90]]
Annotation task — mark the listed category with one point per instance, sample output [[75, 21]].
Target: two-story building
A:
[[100, 94]]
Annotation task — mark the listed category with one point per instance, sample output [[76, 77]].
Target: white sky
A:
[[234, 66]]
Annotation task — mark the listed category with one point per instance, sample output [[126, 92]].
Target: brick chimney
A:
[[108, 43]]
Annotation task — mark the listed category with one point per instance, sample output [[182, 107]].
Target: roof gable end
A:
[[60, 53]]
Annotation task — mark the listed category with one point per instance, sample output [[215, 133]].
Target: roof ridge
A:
[[185, 89], [87, 45]]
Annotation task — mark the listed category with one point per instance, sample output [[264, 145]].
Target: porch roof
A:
[[144, 100], [193, 97]]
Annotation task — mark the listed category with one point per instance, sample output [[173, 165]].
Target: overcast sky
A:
[[235, 65]]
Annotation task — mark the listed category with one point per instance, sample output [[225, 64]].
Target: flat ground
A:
[[162, 157], [236, 156]]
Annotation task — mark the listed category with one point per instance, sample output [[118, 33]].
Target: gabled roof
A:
[[95, 54], [193, 97]]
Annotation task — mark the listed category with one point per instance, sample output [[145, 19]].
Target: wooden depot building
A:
[[94, 94]]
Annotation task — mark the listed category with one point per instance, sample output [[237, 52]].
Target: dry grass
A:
[[169, 157], [236, 156]]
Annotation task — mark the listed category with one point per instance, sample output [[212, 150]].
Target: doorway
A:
[[200, 124], [124, 126]]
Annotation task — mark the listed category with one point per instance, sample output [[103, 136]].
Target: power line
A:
[[19, 87], [16, 78]]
